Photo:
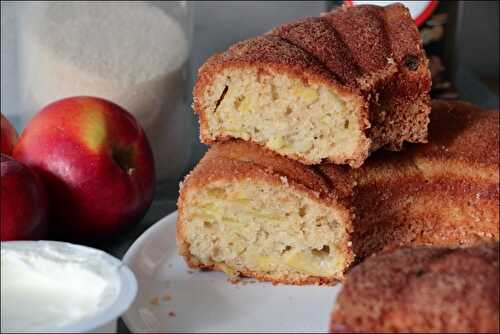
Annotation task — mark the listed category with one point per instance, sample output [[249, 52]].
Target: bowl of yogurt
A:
[[49, 286]]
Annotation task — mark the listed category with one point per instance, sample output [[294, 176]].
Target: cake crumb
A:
[[284, 180], [238, 280], [172, 314], [234, 279], [166, 297], [155, 301]]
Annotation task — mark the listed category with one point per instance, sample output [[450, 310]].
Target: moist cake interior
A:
[[251, 226], [285, 114]]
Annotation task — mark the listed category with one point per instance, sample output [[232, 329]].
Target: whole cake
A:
[[325, 89], [422, 290], [248, 211], [445, 192]]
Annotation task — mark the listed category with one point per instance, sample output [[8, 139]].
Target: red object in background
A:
[[23, 202], [420, 10], [8, 136], [97, 165]]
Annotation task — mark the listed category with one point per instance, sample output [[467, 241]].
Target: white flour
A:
[[131, 53]]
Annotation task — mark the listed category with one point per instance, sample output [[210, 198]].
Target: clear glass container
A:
[[134, 53]]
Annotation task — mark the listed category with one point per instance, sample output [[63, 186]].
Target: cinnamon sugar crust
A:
[[422, 289]]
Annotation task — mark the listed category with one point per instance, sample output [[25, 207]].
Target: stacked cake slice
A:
[[246, 210], [329, 90], [326, 89]]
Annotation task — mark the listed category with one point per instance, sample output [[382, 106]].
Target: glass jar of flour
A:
[[134, 53]]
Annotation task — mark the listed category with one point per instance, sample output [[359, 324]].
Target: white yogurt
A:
[[47, 286]]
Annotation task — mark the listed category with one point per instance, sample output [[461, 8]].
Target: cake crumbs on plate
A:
[[155, 301], [166, 297], [241, 280], [172, 314], [234, 280]]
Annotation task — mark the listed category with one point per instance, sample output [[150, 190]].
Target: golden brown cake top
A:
[[271, 51], [462, 132], [422, 289], [319, 38], [353, 45], [237, 159], [463, 143], [356, 43]]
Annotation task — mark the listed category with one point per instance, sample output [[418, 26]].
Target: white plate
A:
[[207, 302]]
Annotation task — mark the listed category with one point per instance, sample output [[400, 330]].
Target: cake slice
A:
[[249, 212], [325, 89]]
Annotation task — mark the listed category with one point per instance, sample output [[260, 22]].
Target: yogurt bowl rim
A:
[[125, 297]]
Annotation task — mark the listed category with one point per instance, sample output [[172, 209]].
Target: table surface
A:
[[217, 25]]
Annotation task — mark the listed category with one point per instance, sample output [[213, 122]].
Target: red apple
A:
[[8, 136], [96, 163], [23, 202]]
